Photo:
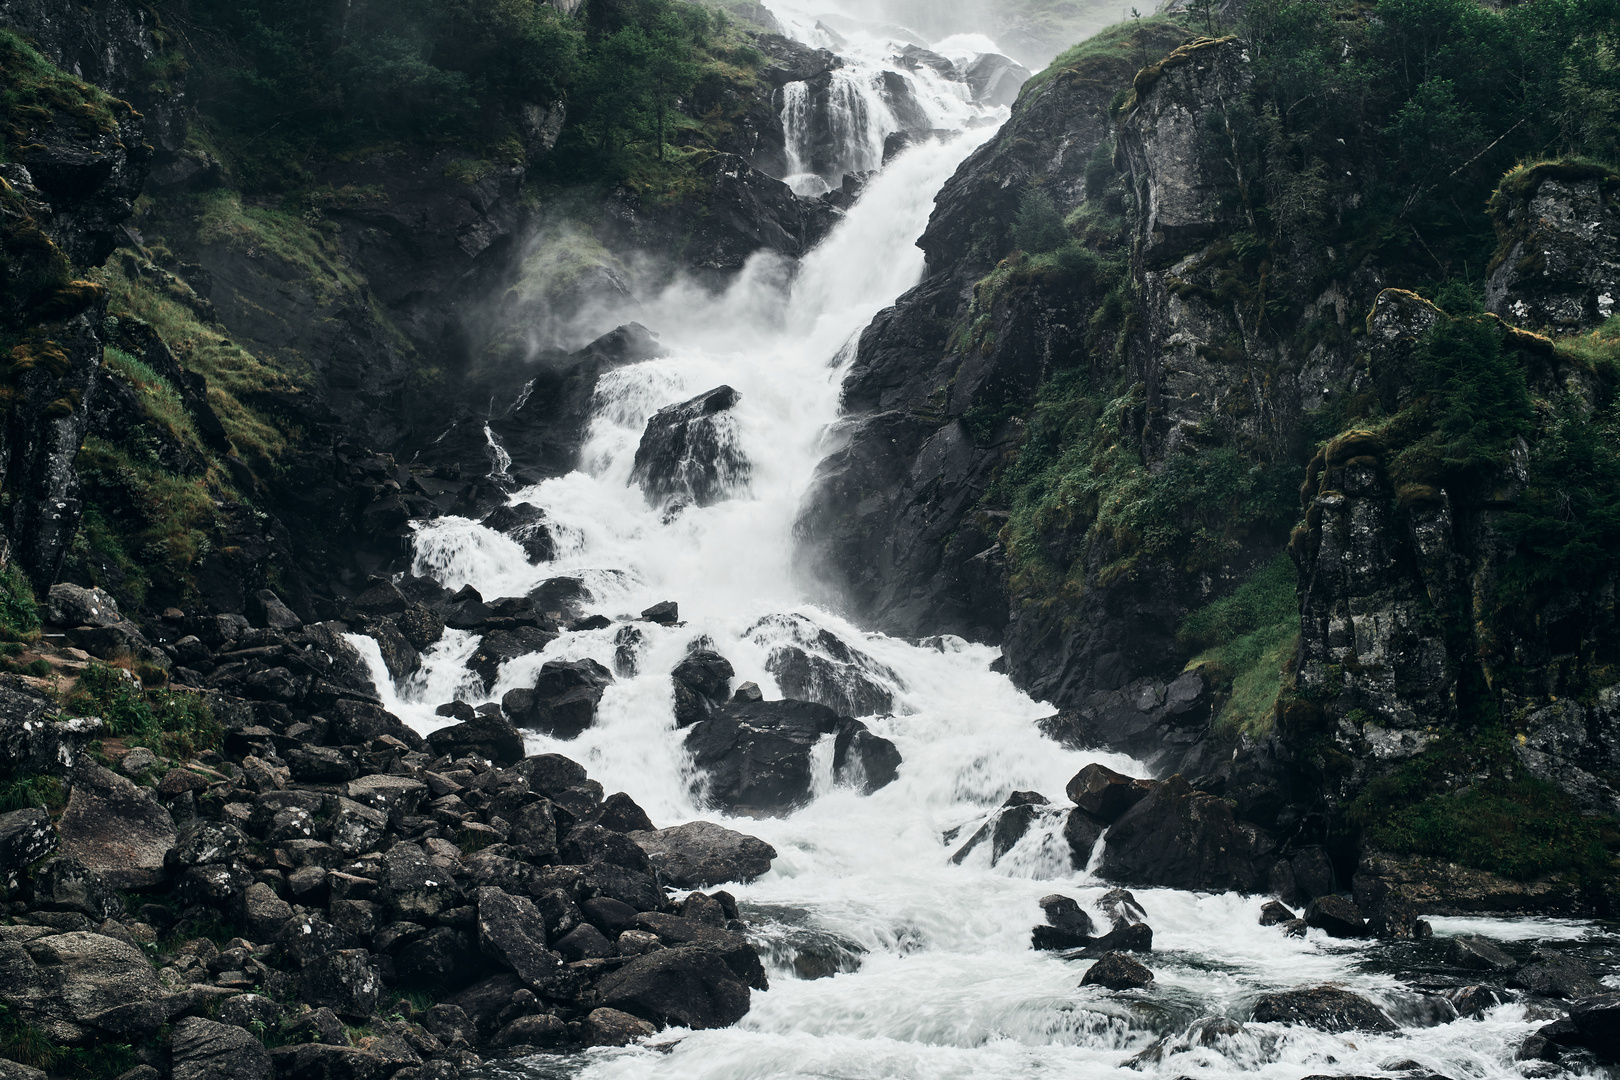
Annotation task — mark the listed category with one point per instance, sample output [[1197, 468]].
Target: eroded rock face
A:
[[689, 453], [116, 829], [1559, 267], [1325, 1008]]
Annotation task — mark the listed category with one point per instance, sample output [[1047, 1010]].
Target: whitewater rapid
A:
[[937, 977]]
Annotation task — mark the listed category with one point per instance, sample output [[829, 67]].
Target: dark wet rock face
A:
[[1325, 1008], [1116, 971], [814, 664], [757, 754], [702, 684], [563, 700], [527, 525], [1182, 838], [689, 453], [690, 987]]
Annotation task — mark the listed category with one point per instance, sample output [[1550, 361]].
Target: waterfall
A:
[[935, 974]]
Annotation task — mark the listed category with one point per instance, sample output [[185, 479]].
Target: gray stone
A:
[[1478, 954], [205, 1050], [79, 985], [392, 795], [245, 1009], [26, 836], [356, 828], [115, 828], [689, 987], [1325, 1008], [610, 1027], [512, 932], [66, 884], [34, 741], [316, 1061]]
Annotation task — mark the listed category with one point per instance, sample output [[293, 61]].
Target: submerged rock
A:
[[1116, 971], [690, 453], [814, 664], [702, 684], [526, 524]]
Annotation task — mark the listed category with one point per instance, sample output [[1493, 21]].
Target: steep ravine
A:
[[1025, 498]]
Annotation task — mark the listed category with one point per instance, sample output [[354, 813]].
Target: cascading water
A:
[[936, 977]]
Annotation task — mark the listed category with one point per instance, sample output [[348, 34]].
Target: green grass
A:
[[171, 723], [19, 611], [232, 371], [34, 91], [1136, 43], [18, 793], [1247, 641], [1466, 801]]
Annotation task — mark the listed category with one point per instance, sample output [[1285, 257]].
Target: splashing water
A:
[[936, 977]]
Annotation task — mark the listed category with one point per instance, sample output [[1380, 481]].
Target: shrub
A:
[[1039, 226]]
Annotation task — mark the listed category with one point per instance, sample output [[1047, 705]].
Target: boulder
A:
[[66, 884], [663, 613], [484, 736], [345, 981], [1274, 913], [500, 647], [26, 836], [274, 614], [1065, 913], [396, 796], [757, 755], [1082, 830], [863, 760], [1104, 793], [83, 985], [1597, 1022], [701, 853], [562, 703], [357, 722], [1325, 1008], [1337, 916], [610, 1027], [526, 524], [512, 932], [1478, 954], [1116, 971], [995, 79], [592, 844], [541, 1030], [74, 605], [355, 828], [1179, 838], [687, 987], [620, 813], [33, 741], [115, 828], [317, 1061], [415, 887], [690, 453], [204, 1050], [1554, 975], [702, 684], [811, 663], [675, 931]]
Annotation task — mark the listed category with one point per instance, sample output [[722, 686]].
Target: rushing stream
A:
[[936, 974]]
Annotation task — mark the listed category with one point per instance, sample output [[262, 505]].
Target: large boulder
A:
[[1180, 838], [811, 663], [483, 736], [1597, 1022], [687, 987], [756, 754], [1325, 1008], [512, 932], [675, 931], [115, 828], [526, 524], [701, 853], [1478, 954], [562, 703], [1116, 971], [1336, 915], [690, 453], [81, 985], [205, 1050], [702, 684], [501, 646], [1104, 793]]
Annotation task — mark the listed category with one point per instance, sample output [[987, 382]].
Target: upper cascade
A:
[[878, 89]]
